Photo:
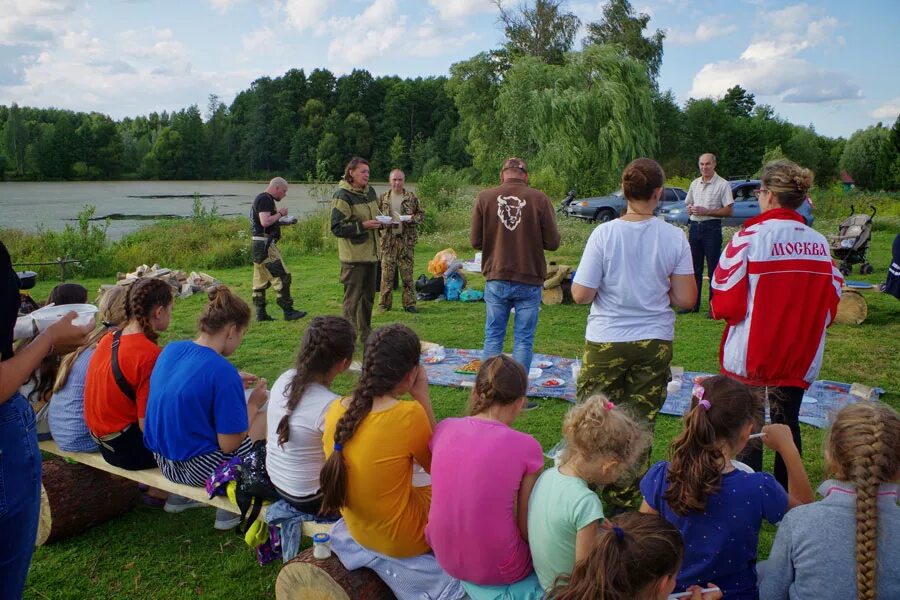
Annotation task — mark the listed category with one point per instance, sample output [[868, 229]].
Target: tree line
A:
[[576, 115]]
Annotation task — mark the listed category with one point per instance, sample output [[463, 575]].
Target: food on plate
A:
[[471, 367], [433, 360], [544, 364], [552, 383]]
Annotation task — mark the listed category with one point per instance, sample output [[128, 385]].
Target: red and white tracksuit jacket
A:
[[777, 289]]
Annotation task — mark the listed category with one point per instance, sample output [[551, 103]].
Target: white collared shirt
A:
[[713, 194]]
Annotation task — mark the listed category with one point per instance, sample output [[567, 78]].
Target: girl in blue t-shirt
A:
[[197, 414], [718, 508]]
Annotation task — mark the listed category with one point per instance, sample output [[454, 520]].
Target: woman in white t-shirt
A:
[[633, 270], [298, 402]]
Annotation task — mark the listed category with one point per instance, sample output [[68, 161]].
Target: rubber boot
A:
[[259, 301], [286, 302]]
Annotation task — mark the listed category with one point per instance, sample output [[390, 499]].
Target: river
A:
[[132, 204]]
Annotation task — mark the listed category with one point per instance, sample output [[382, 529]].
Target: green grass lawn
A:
[[151, 554]]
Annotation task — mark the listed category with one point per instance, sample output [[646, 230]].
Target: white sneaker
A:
[[226, 520], [177, 504]]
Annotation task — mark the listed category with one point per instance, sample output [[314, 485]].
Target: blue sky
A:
[[831, 64]]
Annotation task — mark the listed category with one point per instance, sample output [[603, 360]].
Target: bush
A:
[[85, 242]]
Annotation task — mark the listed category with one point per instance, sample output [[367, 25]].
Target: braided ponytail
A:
[[391, 353], [500, 380], [326, 341], [143, 298], [864, 447], [638, 550]]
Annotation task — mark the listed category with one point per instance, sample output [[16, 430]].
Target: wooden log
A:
[[75, 497], [852, 309], [306, 578]]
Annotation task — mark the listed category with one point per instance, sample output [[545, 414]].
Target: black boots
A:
[[292, 315], [262, 315]]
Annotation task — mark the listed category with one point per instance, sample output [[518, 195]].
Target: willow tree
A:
[[583, 120]]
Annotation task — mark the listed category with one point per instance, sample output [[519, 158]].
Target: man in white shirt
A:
[[708, 201]]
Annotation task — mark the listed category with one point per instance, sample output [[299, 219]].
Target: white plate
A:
[[543, 364], [433, 359], [534, 373], [384, 219], [562, 383], [47, 316], [808, 400]]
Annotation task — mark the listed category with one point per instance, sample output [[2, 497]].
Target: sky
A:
[[826, 63]]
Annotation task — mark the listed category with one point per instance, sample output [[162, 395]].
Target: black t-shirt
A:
[[9, 303], [264, 203]]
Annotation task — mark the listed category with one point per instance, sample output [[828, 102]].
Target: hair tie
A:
[[620, 535], [698, 391], [609, 405], [705, 404], [338, 447]]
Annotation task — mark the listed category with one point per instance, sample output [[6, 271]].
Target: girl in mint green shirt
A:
[[563, 513]]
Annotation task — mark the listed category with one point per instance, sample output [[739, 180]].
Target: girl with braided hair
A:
[[117, 383], [372, 439], [296, 414], [635, 558], [813, 555], [482, 473], [718, 508], [603, 443]]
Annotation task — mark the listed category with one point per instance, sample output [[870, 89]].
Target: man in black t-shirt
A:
[[268, 268]]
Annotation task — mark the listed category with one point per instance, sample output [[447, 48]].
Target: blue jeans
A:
[[500, 297], [705, 239], [20, 493]]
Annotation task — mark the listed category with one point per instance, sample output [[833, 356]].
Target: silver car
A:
[[746, 206], [601, 209]]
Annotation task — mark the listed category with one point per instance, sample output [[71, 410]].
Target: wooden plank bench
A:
[[154, 478]]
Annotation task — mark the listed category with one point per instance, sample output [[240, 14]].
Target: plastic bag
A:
[[441, 261], [454, 283], [471, 296]]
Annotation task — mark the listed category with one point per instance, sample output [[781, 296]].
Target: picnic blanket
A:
[[822, 399]]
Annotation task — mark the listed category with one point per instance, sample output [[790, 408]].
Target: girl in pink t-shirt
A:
[[482, 474]]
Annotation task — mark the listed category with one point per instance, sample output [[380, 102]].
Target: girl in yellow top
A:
[[371, 440]]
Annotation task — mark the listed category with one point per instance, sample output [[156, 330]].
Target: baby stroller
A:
[[851, 244]]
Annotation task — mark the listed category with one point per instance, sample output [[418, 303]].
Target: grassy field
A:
[[150, 554]]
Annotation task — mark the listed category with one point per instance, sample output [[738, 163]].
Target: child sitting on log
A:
[[296, 412], [197, 414], [602, 443], [483, 472]]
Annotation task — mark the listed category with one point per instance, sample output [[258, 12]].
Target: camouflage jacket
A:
[[405, 233]]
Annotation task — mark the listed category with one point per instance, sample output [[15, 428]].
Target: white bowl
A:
[[384, 219], [47, 316], [534, 373], [406, 218]]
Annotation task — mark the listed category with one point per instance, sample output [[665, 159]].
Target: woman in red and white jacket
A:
[[777, 289]]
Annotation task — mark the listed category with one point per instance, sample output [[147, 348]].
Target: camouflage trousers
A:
[[397, 256], [633, 375]]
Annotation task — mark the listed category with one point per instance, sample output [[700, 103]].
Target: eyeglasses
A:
[[760, 191]]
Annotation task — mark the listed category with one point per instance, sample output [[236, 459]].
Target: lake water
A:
[[133, 204]]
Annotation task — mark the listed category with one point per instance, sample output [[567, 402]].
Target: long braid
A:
[[144, 296], [326, 341], [391, 353], [500, 380], [864, 445]]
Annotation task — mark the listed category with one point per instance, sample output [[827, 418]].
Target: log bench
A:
[[151, 477]]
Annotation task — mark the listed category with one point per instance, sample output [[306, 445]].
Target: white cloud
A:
[[457, 9], [34, 22], [774, 67], [305, 14], [707, 30], [429, 40], [887, 111], [224, 5], [375, 32]]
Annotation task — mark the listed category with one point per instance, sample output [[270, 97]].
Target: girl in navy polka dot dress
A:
[[718, 508]]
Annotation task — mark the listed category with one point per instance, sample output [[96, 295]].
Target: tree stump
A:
[[306, 578], [76, 497], [852, 309]]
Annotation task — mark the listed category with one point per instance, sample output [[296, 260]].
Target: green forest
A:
[[577, 115]]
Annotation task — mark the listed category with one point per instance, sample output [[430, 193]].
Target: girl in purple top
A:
[[717, 508], [482, 473]]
